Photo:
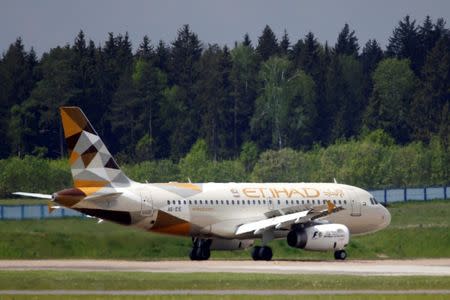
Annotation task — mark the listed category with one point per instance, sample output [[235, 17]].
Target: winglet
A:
[[331, 206]]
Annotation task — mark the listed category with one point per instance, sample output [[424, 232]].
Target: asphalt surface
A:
[[421, 267]]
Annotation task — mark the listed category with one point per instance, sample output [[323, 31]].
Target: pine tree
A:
[[347, 43], [433, 93], [284, 44], [267, 44], [370, 57], [145, 50], [405, 43], [247, 42]]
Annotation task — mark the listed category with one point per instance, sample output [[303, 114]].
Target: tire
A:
[[193, 254], [340, 255], [255, 253], [265, 253]]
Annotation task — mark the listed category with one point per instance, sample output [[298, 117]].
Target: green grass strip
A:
[[51, 280]]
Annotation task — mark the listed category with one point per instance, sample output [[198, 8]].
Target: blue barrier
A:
[[410, 194], [39, 211]]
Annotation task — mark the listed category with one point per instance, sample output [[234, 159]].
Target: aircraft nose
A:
[[386, 216]]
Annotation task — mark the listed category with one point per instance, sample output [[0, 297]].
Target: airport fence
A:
[[386, 196]]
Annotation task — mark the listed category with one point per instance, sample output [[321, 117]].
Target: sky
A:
[[45, 24]]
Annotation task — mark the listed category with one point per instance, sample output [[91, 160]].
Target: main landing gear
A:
[[262, 253], [200, 249], [340, 255]]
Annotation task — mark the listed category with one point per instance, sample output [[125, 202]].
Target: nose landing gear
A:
[[340, 255]]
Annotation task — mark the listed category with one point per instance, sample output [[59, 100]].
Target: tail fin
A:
[[91, 164]]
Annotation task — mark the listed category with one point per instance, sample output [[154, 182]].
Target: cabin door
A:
[[146, 204]]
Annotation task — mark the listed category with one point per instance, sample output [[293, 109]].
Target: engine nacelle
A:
[[224, 244], [323, 237]]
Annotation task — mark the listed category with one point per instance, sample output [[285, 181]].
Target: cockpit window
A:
[[375, 200]]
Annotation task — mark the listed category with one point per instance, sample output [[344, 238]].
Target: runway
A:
[[419, 267]]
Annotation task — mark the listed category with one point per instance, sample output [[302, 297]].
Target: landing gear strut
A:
[[200, 249], [262, 253], [340, 255]]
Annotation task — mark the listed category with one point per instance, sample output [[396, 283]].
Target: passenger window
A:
[[345, 201], [303, 201], [254, 202], [200, 201], [313, 202], [248, 202], [228, 203], [195, 202], [221, 202], [278, 202], [334, 201], [217, 202], [184, 202], [264, 201], [190, 202], [259, 202], [296, 201], [173, 202], [340, 202], [168, 202], [270, 201], [307, 201], [287, 202]]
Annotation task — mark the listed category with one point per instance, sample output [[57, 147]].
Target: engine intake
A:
[[323, 237]]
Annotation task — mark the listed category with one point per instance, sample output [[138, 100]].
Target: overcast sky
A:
[[45, 24]]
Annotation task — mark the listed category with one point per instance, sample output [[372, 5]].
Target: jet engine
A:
[[224, 244], [322, 237]]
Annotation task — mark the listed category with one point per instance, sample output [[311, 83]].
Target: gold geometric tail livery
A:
[[91, 164]]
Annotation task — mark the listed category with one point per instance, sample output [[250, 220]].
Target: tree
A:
[[347, 43], [405, 43], [394, 84], [370, 57], [214, 98], [428, 116], [271, 120], [244, 91], [267, 44], [284, 44]]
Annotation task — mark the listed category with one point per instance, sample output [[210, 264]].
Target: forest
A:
[[247, 105]]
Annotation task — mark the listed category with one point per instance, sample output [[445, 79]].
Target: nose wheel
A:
[[340, 255], [262, 253]]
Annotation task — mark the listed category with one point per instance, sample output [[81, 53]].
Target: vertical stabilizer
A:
[[91, 164]]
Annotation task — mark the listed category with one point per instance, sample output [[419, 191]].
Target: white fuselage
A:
[[217, 209]]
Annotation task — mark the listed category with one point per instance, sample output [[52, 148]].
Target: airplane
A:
[[217, 216]]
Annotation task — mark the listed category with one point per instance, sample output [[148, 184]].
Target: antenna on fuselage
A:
[[189, 180], [335, 181]]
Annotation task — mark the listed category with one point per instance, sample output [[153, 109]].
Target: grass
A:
[[74, 280], [233, 297], [418, 230]]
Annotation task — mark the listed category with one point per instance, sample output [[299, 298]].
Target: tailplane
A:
[[92, 166]]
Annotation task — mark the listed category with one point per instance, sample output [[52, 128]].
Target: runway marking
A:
[[420, 267], [224, 292]]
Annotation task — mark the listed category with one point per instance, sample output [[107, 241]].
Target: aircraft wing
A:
[[33, 195], [285, 221]]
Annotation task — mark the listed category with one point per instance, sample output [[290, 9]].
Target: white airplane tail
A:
[[92, 165]]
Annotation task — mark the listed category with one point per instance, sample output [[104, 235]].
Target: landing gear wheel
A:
[[255, 252], [262, 253], [200, 250], [340, 255], [265, 253]]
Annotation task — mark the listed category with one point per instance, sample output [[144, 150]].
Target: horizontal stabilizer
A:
[[33, 195]]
